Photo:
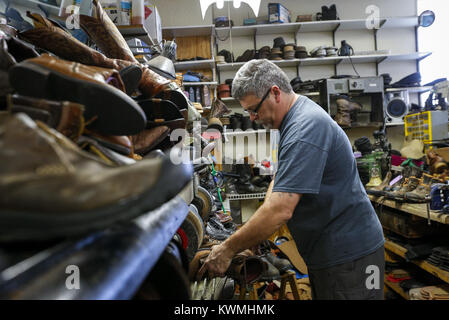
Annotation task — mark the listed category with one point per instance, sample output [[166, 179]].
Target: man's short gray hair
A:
[[256, 77]]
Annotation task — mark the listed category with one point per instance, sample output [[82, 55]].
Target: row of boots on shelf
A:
[[413, 185], [241, 180], [240, 122]]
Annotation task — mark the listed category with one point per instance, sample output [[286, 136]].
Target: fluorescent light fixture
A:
[[254, 4]]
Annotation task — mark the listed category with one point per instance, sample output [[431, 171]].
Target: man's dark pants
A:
[[361, 279]]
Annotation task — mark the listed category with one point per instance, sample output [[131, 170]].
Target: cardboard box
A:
[[277, 13], [152, 23]]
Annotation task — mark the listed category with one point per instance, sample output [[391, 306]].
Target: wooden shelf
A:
[[400, 251], [396, 288], [417, 209]]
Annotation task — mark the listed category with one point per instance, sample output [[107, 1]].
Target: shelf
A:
[[396, 288], [400, 251], [190, 84], [186, 31], [195, 64], [34, 4], [372, 58], [364, 125], [113, 263], [411, 89], [417, 209], [245, 133], [317, 26], [249, 196]]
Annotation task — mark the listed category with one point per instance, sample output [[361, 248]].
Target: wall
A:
[[398, 40]]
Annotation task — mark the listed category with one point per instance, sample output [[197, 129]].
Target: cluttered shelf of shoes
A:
[[412, 204]]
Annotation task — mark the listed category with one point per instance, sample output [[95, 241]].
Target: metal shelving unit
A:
[[249, 196]]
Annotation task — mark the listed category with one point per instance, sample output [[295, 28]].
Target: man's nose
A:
[[252, 117]]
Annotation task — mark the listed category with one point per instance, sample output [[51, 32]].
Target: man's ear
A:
[[277, 93]]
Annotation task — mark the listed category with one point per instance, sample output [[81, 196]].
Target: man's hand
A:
[[217, 262]]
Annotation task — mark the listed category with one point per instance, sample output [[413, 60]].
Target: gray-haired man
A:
[[316, 191]]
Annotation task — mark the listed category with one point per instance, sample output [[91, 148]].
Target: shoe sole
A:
[[131, 77], [22, 226], [118, 114]]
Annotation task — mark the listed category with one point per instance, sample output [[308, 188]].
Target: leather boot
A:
[[66, 117], [345, 107], [49, 37], [50, 188], [108, 38], [436, 162], [162, 113], [108, 109], [409, 185], [379, 190], [149, 139], [422, 191], [246, 267]]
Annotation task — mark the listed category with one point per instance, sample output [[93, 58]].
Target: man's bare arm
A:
[[276, 211]]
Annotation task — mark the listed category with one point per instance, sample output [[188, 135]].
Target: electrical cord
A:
[[353, 67]]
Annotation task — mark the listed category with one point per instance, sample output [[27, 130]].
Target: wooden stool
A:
[[289, 277]]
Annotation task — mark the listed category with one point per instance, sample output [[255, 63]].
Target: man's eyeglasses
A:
[[254, 112]]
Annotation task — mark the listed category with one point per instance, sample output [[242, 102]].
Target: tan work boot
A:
[[409, 185], [422, 191]]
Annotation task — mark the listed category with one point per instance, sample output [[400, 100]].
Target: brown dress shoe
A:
[[149, 139], [107, 108], [50, 188], [64, 116]]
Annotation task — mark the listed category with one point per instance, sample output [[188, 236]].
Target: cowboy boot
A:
[[52, 38], [111, 110], [50, 188], [105, 34], [108, 38], [64, 116]]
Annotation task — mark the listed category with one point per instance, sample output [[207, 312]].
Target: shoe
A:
[[409, 185], [246, 268], [283, 265], [422, 191], [52, 189], [108, 109], [345, 107], [436, 162], [378, 191], [162, 113], [105, 34], [66, 117], [271, 272], [149, 139]]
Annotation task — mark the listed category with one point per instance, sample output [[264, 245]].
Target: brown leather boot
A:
[[422, 191], [345, 107], [47, 36], [105, 34], [436, 162], [108, 38], [147, 140], [107, 109], [64, 116]]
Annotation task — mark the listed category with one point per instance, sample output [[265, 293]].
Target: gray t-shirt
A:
[[334, 222]]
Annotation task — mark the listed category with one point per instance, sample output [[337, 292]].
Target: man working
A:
[[316, 191]]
